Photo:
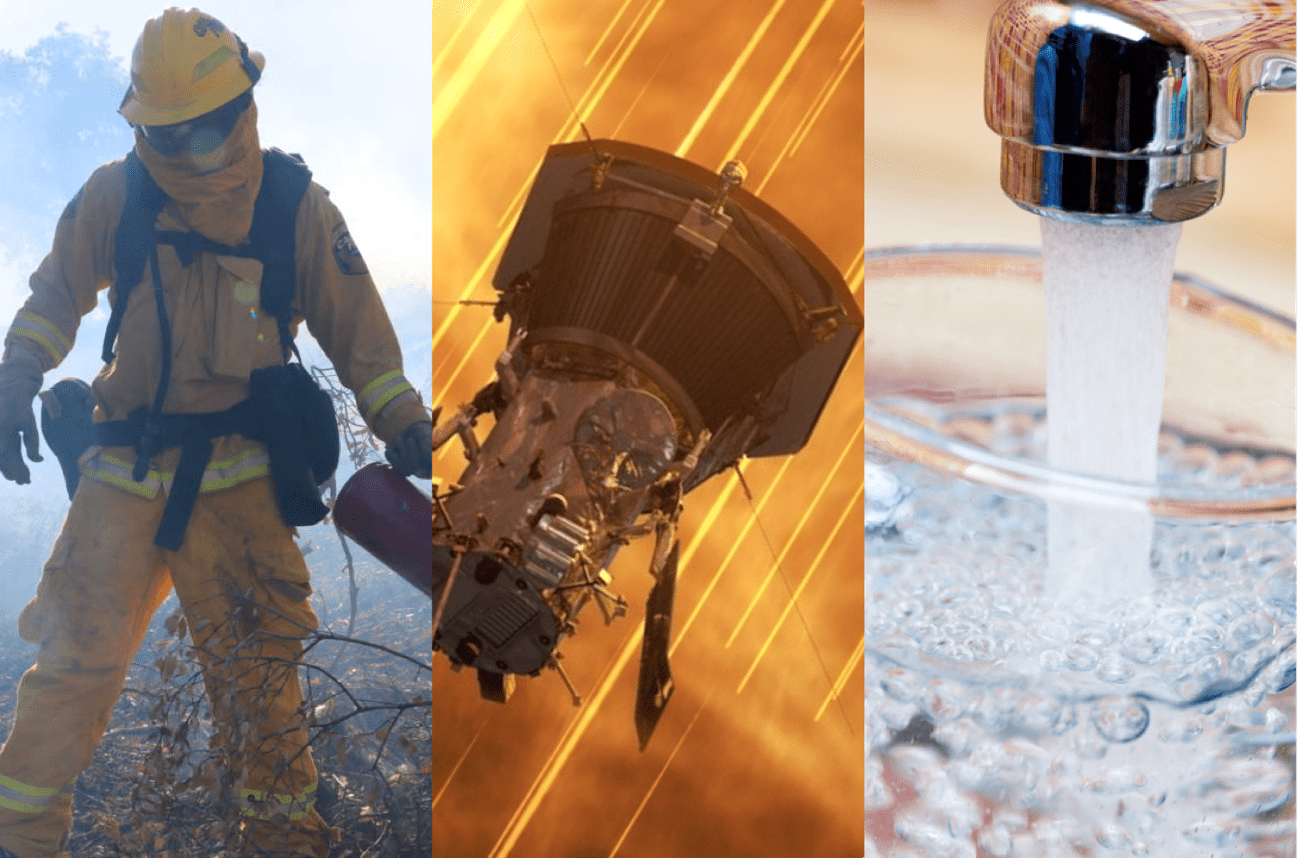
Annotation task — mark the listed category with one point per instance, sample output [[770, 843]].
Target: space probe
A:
[[664, 323]]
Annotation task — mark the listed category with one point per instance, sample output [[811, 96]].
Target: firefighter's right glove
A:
[[19, 384], [411, 453]]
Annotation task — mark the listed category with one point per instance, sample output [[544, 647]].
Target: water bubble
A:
[[1177, 619], [1052, 632], [1145, 647], [1080, 657], [1248, 630], [947, 648], [984, 648], [994, 710], [1039, 714], [1114, 668], [1007, 603], [1279, 592], [1058, 836], [1053, 660], [1120, 719], [1197, 640], [960, 814], [1218, 611]]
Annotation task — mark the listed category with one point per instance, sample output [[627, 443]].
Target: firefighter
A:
[[184, 482]]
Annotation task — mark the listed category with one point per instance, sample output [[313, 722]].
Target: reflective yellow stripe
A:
[[379, 382], [253, 462], [114, 471], [294, 807], [24, 798], [49, 326], [378, 393], [387, 398], [248, 465], [42, 332], [35, 336], [243, 476]]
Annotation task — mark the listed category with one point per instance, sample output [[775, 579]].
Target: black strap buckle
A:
[[149, 444]]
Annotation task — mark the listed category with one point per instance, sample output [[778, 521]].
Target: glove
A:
[[19, 385], [411, 454]]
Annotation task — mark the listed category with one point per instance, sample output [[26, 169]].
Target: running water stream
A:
[[1107, 291]]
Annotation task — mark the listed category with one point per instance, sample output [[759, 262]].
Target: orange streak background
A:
[[773, 770]]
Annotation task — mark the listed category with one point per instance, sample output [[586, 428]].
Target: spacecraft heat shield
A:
[[719, 301]]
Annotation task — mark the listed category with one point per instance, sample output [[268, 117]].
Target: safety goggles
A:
[[201, 135]]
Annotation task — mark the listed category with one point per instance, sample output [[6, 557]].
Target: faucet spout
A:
[[1119, 111]]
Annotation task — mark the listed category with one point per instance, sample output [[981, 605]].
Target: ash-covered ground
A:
[[150, 788]]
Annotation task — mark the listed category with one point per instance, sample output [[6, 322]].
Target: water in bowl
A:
[[1001, 721]]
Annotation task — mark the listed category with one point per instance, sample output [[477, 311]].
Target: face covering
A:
[[213, 192]]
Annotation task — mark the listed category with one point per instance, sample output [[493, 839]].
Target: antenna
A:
[[573, 107]]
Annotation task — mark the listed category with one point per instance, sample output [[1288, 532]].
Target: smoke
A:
[[57, 106]]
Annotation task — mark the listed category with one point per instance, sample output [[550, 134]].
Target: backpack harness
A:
[[284, 404]]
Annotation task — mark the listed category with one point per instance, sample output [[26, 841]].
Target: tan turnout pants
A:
[[243, 586]]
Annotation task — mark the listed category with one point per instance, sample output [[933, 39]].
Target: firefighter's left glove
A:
[[411, 453], [19, 384]]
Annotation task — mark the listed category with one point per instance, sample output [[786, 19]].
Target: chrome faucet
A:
[[1119, 111]]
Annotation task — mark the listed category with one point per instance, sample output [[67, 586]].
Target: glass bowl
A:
[[1003, 719]]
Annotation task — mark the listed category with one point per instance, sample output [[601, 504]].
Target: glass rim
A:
[[897, 436]]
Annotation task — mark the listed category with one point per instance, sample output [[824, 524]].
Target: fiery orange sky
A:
[[760, 751]]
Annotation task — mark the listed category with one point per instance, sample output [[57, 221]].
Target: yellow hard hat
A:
[[184, 65]]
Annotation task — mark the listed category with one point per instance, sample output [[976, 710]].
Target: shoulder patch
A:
[[346, 255], [70, 210]]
